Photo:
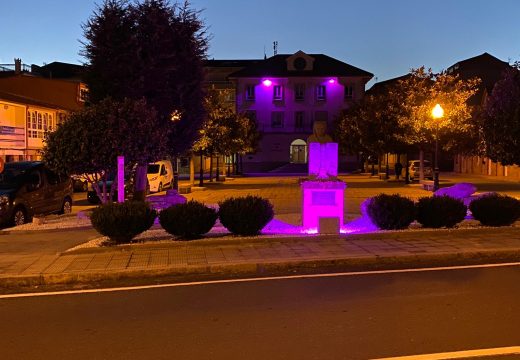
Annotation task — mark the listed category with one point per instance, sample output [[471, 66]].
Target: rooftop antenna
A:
[[275, 47]]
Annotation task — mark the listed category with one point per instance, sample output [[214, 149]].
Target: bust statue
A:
[[319, 133]]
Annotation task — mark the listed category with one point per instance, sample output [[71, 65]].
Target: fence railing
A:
[[12, 67]]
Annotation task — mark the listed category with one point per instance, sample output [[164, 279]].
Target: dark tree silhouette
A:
[[152, 50], [501, 121]]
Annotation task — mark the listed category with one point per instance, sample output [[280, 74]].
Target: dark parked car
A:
[[413, 169], [29, 188], [79, 183], [93, 198]]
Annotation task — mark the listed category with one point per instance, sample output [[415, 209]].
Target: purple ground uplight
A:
[[278, 227]]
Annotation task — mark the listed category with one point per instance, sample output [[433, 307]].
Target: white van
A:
[[160, 175]]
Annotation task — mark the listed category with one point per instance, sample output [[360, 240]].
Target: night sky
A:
[[385, 37]]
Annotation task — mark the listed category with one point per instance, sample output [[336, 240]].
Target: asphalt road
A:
[[348, 317]]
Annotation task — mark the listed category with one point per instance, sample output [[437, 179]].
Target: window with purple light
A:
[[250, 92], [277, 92], [299, 92], [277, 118], [321, 92], [299, 118]]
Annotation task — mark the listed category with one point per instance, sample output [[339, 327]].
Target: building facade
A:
[[285, 94], [33, 101]]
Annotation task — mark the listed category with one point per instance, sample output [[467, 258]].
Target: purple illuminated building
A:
[[285, 94]]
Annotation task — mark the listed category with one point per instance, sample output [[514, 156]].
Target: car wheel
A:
[[19, 216], [159, 189], [66, 208]]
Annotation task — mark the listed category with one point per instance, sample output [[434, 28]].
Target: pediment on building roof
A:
[[300, 61]]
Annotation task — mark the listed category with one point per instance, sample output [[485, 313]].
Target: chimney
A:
[[17, 66]]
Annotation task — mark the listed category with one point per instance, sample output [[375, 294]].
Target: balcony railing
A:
[[12, 67], [267, 128]]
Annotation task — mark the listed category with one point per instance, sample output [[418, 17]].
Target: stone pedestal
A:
[[322, 199]]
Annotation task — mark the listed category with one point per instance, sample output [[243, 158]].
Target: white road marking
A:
[[287, 277], [512, 350]]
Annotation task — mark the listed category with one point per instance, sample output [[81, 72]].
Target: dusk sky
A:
[[384, 37]]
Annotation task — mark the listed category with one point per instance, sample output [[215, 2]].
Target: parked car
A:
[[414, 166], [79, 183], [92, 196], [29, 188], [160, 175]]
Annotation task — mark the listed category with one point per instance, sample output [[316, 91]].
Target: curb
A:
[[266, 268], [405, 235]]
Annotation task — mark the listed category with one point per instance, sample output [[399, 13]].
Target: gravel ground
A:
[[53, 222]]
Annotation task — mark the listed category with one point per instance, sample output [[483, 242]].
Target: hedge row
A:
[[391, 212], [121, 222]]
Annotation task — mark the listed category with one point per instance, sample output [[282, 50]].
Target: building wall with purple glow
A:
[[286, 94]]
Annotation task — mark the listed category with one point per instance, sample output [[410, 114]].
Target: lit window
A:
[[250, 92], [28, 119], [299, 92], [33, 119], [277, 119], [277, 92], [321, 92], [39, 121], [349, 91], [45, 121], [83, 93]]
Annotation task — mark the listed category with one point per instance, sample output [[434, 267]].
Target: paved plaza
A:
[[285, 193]]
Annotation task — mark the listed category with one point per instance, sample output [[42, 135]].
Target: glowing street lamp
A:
[[437, 113]]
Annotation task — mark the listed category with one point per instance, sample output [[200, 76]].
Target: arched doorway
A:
[[298, 152]]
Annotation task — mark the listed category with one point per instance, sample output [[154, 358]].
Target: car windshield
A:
[[153, 169], [10, 177]]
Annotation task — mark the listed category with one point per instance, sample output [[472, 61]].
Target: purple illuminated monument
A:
[[323, 193], [120, 179]]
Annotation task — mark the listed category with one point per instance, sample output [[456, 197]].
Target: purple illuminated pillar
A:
[[120, 179]]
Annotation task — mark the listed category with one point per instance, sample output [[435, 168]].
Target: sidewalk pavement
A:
[[263, 255]]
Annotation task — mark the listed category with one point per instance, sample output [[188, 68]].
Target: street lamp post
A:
[[437, 113]]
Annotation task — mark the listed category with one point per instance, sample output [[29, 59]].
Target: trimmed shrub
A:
[[245, 215], [189, 220], [440, 211], [391, 212], [495, 210], [121, 222]]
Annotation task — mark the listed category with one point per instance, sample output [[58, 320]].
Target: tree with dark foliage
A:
[[501, 120], [152, 50]]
